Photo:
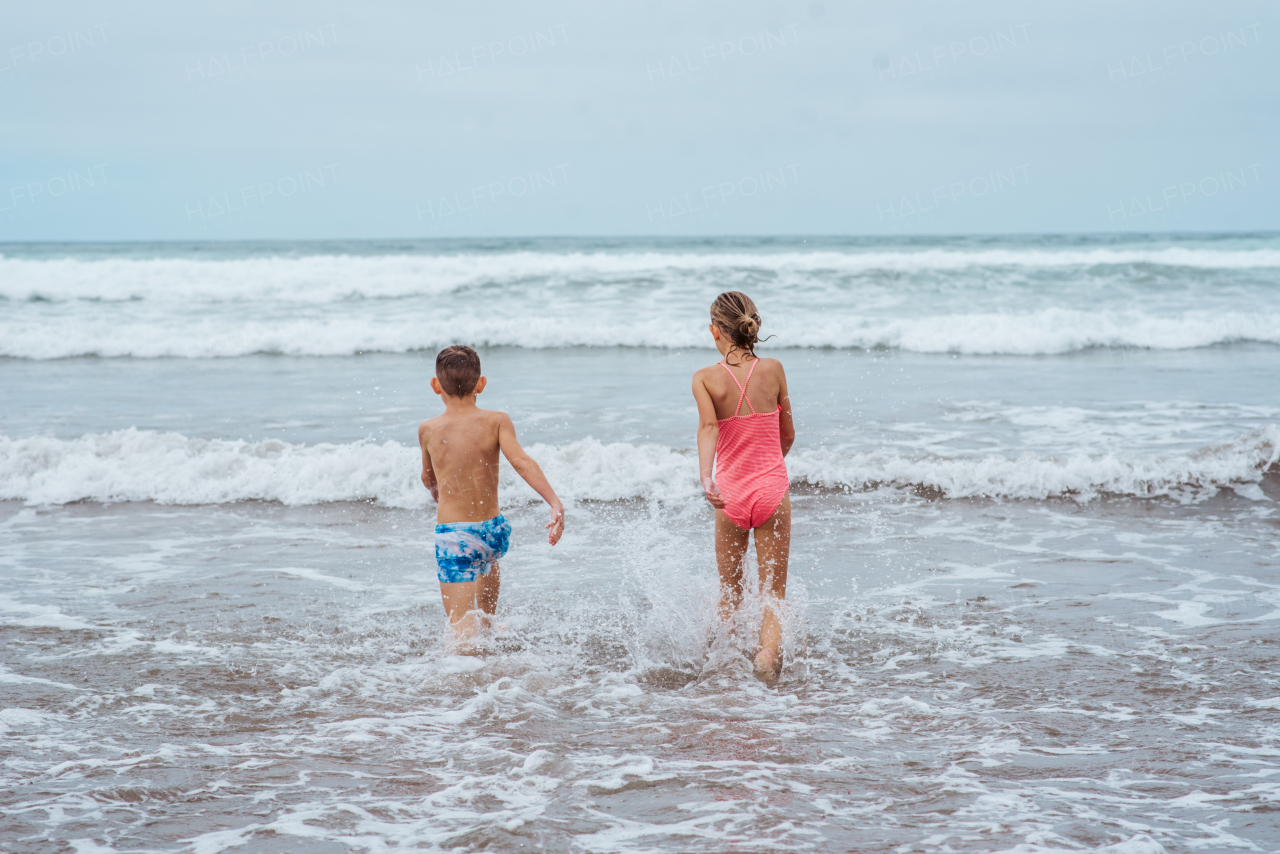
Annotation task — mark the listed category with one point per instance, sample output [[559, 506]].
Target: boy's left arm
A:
[[428, 473], [529, 469]]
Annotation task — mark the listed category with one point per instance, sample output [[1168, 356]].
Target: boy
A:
[[460, 468]]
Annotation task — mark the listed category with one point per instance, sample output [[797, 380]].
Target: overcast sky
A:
[[138, 121]]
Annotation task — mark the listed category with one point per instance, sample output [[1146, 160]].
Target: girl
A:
[[745, 429]]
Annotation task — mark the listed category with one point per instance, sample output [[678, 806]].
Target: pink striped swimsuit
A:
[[749, 468]]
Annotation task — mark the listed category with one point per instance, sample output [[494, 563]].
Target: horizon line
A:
[[1266, 232]]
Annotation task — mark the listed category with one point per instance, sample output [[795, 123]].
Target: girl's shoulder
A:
[[703, 374], [770, 365], [765, 365]]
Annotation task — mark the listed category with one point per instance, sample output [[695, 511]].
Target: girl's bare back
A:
[[764, 391]]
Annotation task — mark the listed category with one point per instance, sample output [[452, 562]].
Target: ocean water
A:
[[1034, 592]]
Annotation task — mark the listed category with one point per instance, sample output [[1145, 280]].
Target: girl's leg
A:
[[731, 551], [773, 553]]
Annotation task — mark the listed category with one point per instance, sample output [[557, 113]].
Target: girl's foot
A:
[[768, 667]]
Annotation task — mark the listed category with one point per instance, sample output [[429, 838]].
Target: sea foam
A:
[[988, 301], [210, 335], [328, 278], [142, 465]]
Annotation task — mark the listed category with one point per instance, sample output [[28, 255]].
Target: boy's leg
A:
[[731, 549], [773, 552], [487, 595], [459, 600]]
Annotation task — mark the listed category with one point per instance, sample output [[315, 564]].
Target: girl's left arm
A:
[[786, 425]]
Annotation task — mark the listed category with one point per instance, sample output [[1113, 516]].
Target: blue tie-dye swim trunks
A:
[[467, 550]]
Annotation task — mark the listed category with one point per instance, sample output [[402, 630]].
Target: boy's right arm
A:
[[529, 469], [428, 473]]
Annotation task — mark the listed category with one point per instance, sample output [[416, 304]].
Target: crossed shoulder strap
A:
[[742, 386]]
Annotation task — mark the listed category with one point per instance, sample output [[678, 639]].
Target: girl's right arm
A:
[[708, 433]]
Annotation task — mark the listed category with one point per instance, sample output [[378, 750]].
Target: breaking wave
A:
[[1044, 332], [328, 278], [143, 465], [1017, 301]]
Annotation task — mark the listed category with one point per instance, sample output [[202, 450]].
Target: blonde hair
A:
[[736, 315]]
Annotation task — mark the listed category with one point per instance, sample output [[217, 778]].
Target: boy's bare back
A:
[[460, 453]]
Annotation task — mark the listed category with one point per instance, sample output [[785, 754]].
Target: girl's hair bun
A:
[[736, 315]]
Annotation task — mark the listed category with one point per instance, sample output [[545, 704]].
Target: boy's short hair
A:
[[458, 370]]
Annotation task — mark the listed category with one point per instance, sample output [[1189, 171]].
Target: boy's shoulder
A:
[[492, 416], [491, 422], [424, 429]]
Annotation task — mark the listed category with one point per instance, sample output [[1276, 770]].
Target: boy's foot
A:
[[463, 646], [487, 623], [768, 667], [465, 636]]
